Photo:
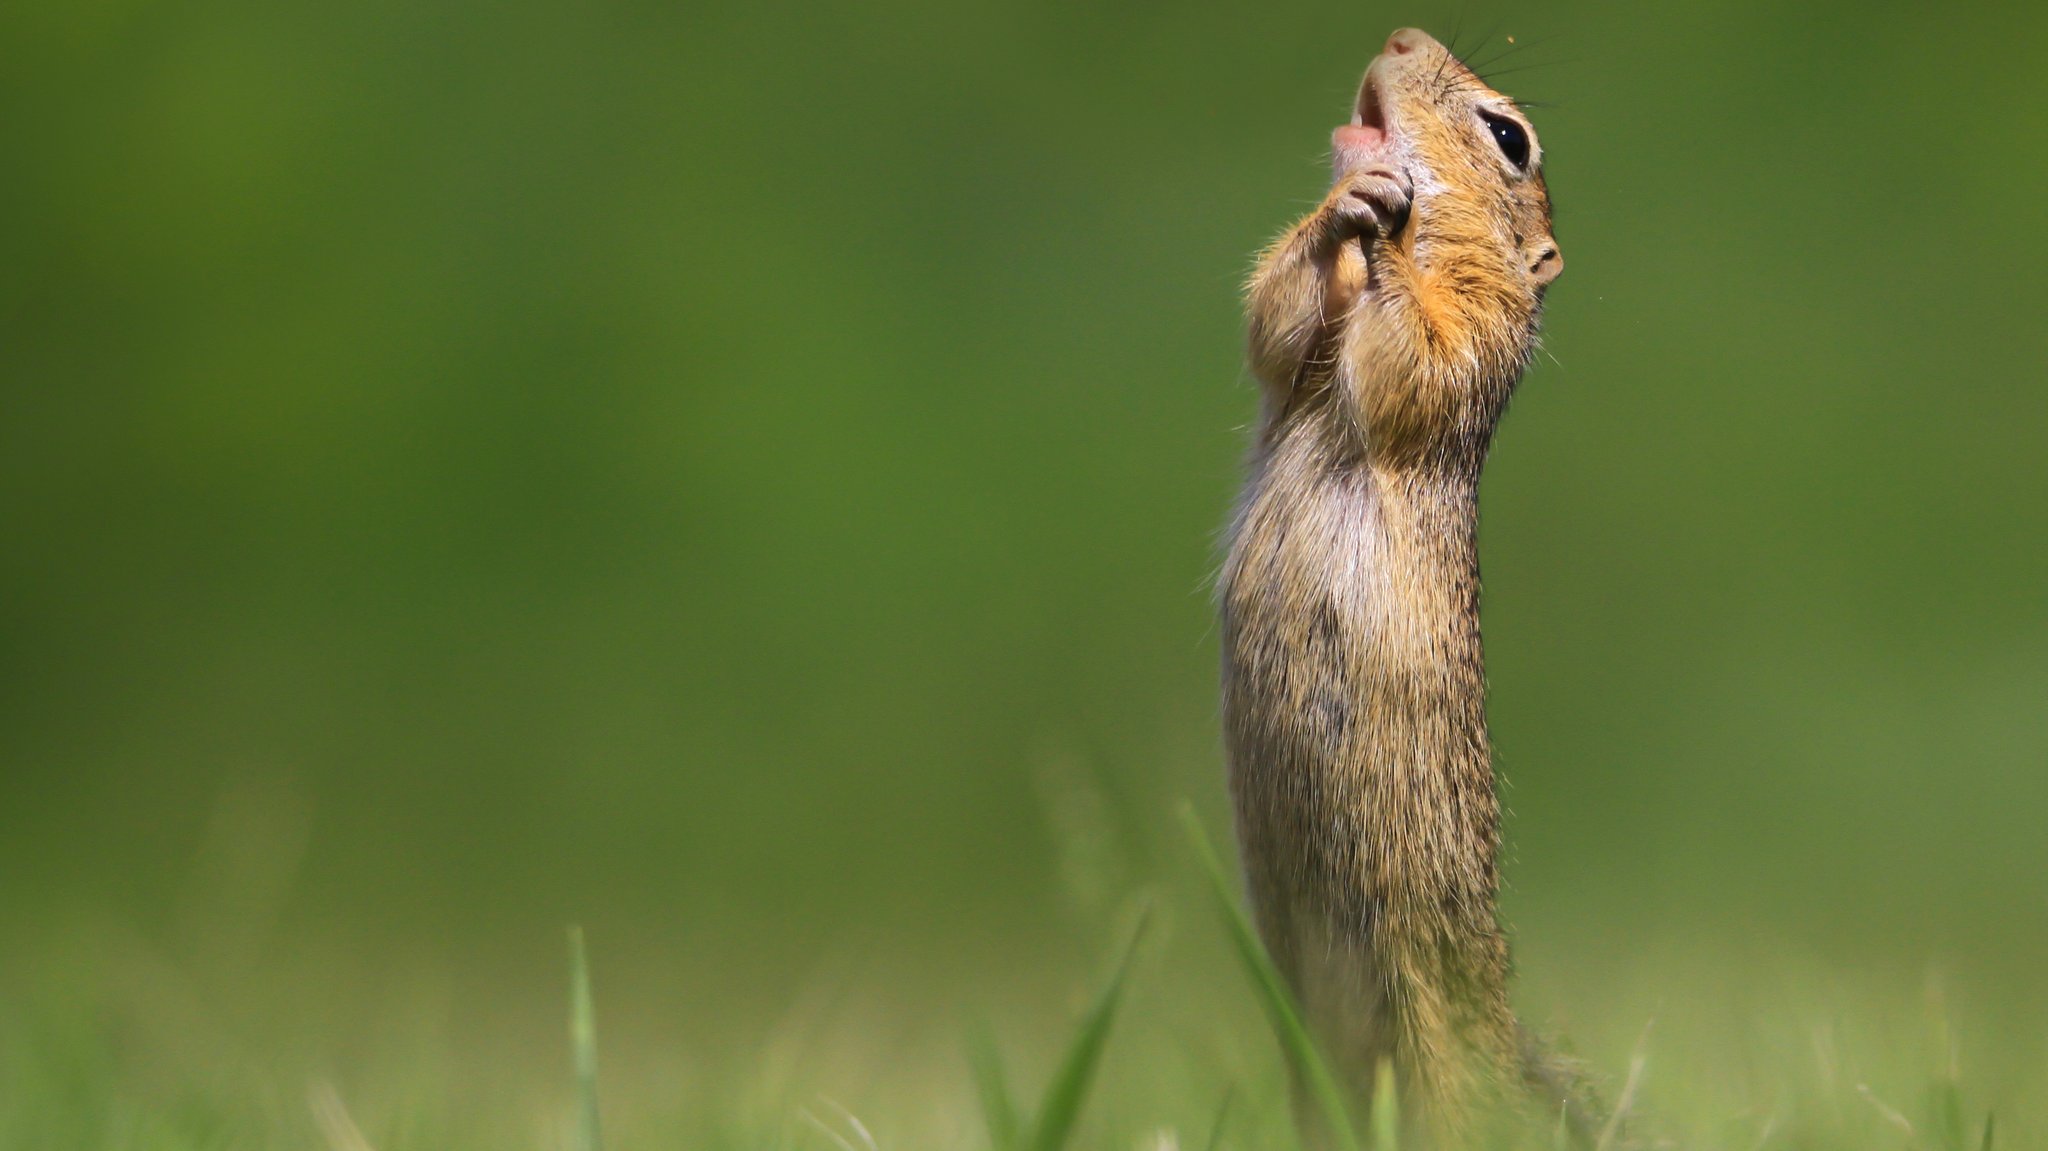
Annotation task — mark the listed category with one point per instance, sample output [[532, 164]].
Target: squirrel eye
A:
[[1513, 141]]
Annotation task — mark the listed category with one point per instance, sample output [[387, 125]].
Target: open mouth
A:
[[1369, 117], [1361, 140]]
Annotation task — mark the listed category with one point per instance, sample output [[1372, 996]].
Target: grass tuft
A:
[[1310, 1068], [998, 1109], [1057, 1113]]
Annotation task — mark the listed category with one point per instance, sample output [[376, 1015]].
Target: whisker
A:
[[1538, 42], [1525, 68], [1491, 32], [1506, 51], [1480, 48], [1486, 70]]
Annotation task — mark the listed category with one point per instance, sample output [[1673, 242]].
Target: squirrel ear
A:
[[1548, 263]]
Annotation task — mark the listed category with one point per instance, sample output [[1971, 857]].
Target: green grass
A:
[[1282, 1013], [1051, 1127], [1183, 1044]]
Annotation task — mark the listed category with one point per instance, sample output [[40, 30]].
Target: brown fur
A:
[[1387, 329]]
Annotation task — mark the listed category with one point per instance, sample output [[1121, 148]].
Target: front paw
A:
[[1371, 202]]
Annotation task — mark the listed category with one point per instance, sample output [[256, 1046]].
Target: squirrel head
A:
[[1478, 237], [1473, 156]]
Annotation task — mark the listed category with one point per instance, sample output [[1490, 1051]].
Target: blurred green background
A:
[[747, 477]]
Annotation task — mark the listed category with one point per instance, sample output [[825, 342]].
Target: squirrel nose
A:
[[1406, 40]]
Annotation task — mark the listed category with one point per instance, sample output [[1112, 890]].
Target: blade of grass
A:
[[1386, 1109], [1985, 1145], [583, 1044], [1054, 1123], [825, 1129], [1309, 1066], [852, 1121], [1222, 1116], [1764, 1136], [331, 1115], [998, 1110], [1947, 1117], [1891, 1114], [1637, 1061]]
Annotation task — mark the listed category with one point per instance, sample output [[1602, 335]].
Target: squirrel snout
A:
[[1406, 40]]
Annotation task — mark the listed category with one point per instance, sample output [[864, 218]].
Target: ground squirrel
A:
[[1387, 330]]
